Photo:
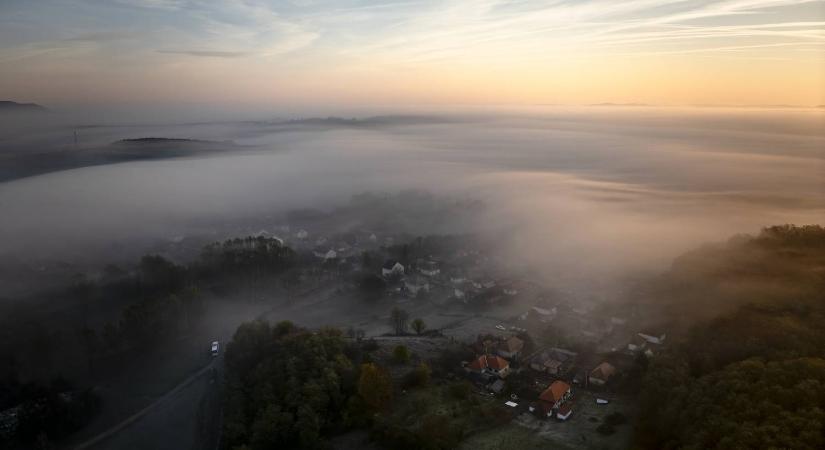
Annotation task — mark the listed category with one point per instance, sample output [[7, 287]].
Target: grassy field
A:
[[510, 437]]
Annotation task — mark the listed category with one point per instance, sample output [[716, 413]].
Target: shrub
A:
[[420, 376], [605, 429], [460, 390], [615, 418], [400, 354]]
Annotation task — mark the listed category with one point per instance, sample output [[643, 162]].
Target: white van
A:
[[215, 347]]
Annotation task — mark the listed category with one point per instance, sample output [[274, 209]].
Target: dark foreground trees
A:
[[754, 377], [35, 415], [287, 387]]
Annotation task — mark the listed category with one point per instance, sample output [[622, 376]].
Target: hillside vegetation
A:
[[753, 377]]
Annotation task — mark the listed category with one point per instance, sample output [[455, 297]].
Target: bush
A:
[[420, 376], [375, 386], [400, 354], [605, 429], [615, 418], [369, 345], [460, 390]]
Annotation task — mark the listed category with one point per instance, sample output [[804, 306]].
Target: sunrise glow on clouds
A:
[[734, 52]]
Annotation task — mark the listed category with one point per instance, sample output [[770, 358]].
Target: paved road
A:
[[190, 415], [187, 417]]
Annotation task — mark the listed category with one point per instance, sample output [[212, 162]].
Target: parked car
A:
[[215, 347]]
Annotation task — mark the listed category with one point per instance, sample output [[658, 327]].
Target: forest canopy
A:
[[753, 377]]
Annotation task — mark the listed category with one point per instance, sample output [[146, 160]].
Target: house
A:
[[637, 344], [325, 255], [551, 400], [556, 394], [551, 366], [511, 348], [416, 284], [492, 365], [429, 268], [544, 314], [618, 320], [537, 363], [459, 294], [653, 337], [601, 374], [508, 288], [565, 411], [553, 361], [392, 268]]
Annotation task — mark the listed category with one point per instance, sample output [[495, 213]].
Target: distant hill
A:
[[619, 104], [375, 121], [781, 263], [26, 164], [162, 140], [10, 106]]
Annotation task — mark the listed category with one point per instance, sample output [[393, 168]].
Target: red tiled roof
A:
[[491, 362], [497, 363], [554, 392], [479, 363]]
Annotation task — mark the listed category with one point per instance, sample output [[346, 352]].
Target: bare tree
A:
[[398, 320]]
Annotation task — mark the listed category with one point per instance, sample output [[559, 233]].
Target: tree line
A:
[[753, 377]]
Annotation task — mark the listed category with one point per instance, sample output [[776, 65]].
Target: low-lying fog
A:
[[585, 190]]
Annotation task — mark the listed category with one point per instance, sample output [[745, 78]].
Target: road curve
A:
[[140, 414]]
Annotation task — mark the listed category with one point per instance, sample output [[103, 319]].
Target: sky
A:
[[307, 52]]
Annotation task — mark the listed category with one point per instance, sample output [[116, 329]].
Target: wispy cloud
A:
[[206, 53], [349, 36]]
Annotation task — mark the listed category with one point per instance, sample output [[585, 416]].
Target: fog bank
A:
[[596, 190]]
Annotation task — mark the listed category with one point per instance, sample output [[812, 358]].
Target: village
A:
[[554, 365], [565, 369]]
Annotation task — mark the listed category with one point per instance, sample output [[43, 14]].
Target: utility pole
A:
[[75, 138]]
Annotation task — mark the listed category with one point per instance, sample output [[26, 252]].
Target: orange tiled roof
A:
[[479, 363], [497, 362], [554, 392], [491, 362]]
